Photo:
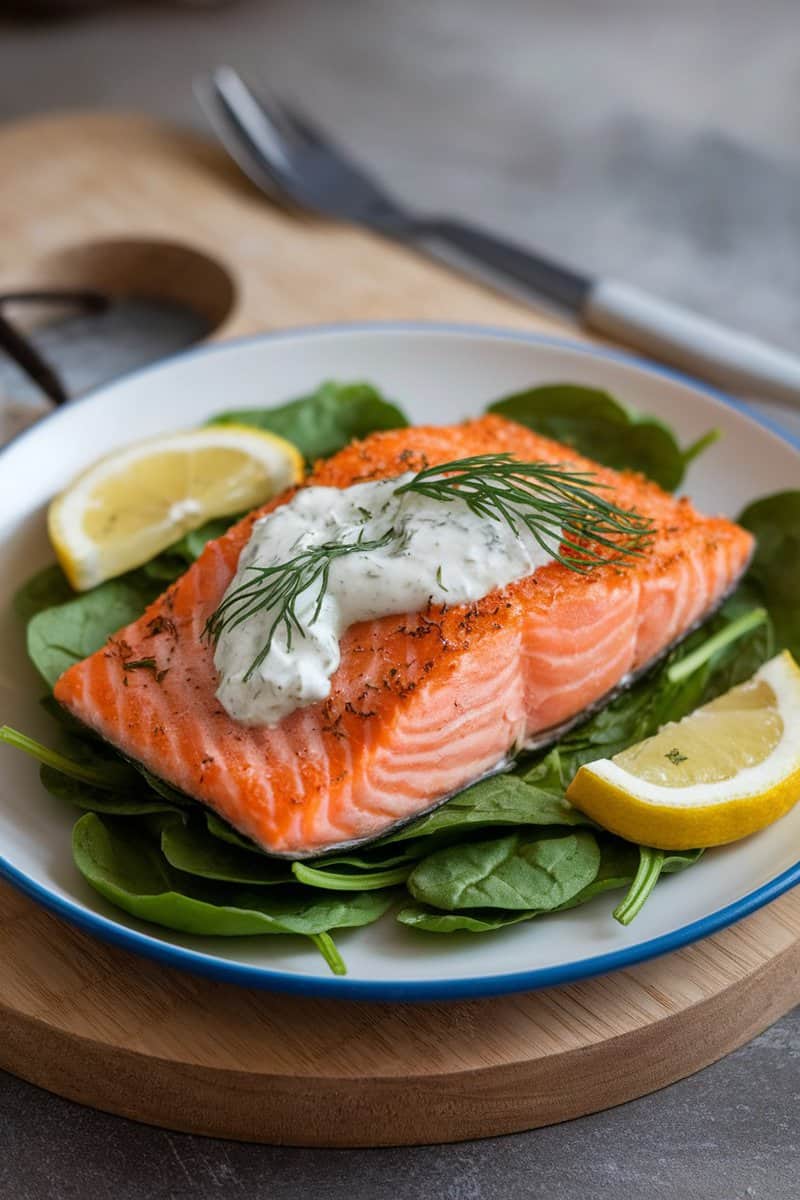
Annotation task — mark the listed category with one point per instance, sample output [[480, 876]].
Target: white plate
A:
[[439, 374]]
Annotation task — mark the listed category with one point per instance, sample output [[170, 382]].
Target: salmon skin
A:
[[422, 703]]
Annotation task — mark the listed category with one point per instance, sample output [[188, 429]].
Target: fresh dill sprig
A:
[[279, 588], [561, 508]]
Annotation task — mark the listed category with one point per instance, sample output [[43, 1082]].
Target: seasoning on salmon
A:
[[421, 704]]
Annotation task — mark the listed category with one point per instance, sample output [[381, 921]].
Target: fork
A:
[[298, 165]]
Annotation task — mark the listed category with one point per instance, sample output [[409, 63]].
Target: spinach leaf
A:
[[501, 800], [94, 776], [43, 590], [127, 868], [226, 833], [164, 790], [736, 659], [514, 872], [618, 862], [595, 424], [64, 626], [190, 848], [192, 544], [545, 772], [65, 633], [432, 920], [774, 573], [676, 861], [88, 762], [375, 857], [325, 420], [63, 717], [102, 800], [247, 859], [172, 562]]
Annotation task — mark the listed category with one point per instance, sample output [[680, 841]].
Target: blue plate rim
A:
[[469, 987]]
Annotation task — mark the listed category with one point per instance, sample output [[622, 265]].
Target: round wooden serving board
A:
[[123, 1034], [123, 202]]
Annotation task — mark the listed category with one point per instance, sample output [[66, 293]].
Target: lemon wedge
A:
[[725, 771], [131, 505]]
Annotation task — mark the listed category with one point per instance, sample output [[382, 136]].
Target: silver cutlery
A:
[[297, 164]]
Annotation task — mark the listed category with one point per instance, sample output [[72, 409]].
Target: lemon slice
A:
[[721, 773], [134, 503]]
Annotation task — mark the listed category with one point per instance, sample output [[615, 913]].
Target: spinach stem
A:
[[651, 863], [51, 758], [327, 948], [700, 445], [336, 881], [742, 625]]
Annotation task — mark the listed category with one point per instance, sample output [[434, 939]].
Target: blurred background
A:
[[655, 142]]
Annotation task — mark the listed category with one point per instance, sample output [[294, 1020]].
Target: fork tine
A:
[[254, 121], [238, 146], [311, 138], [302, 160], [313, 134], [281, 116], [300, 125]]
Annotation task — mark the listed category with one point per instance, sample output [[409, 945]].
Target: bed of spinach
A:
[[507, 849], [124, 863]]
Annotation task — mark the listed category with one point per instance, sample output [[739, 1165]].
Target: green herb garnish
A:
[[560, 508], [146, 664], [571, 521], [280, 588], [675, 757]]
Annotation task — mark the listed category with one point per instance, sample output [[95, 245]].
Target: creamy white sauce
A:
[[439, 552]]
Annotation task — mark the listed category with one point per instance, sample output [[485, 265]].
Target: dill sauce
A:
[[437, 553]]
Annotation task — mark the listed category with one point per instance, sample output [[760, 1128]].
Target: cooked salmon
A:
[[422, 704]]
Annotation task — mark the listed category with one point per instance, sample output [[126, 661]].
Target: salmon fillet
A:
[[423, 703]]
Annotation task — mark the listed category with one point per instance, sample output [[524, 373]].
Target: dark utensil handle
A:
[[26, 356], [22, 350], [531, 270]]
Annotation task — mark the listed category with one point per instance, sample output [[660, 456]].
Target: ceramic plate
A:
[[439, 374]]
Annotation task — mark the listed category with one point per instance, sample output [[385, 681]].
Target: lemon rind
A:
[[85, 563], [783, 676], [706, 814]]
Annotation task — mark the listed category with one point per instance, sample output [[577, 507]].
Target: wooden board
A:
[[120, 1033], [123, 202]]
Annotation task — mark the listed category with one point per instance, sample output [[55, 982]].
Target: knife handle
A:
[[680, 337]]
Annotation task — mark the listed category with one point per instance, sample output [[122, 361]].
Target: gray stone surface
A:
[[657, 142]]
